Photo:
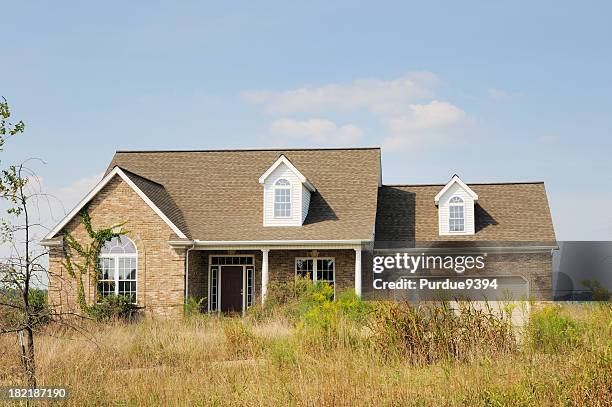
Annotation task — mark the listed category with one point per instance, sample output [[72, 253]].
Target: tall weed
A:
[[429, 332], [550, 331]]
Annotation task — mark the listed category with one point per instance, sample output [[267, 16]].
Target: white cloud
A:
[[404, 107], [361, 93], [48, 207], [69, 196], [498, 94], [321, 131], [425, 124], [435, 114]]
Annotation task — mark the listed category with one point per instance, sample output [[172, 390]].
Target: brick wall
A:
[[281, 268], [536, 268], [160, 271], [198, 272], [281, 264], [161, 268]]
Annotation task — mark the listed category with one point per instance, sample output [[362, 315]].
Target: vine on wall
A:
[[87, 263]]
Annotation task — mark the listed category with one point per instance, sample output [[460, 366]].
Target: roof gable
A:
[[139, 185], [284, 160], [220, 197], [455, 180]]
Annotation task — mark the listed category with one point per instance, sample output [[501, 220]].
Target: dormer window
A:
[[456, 215], [286, 194], [455, 204], [282, 199]]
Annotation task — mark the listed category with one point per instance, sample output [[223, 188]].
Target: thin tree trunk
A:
[[27, 355], [31, 366]]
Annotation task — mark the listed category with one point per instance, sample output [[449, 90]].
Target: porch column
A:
[[358, 272], [264, 274]]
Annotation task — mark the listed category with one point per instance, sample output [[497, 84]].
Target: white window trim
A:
[[209, 289], [283, 160], [455, 179], [115, 257], [314, 268], [219, 282], [462, 204], [290, 188]]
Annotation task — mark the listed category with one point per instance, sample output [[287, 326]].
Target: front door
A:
[[231, 288]]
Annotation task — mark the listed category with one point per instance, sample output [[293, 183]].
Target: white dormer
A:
[[456, 208], [286, 194]]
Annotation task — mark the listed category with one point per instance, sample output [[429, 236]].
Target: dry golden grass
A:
[[209, 361]]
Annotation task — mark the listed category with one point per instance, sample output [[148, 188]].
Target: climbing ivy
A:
[[88, 254]]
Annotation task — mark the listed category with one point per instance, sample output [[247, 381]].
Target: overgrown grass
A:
[[550, 331], [309, 350], [431, 333]]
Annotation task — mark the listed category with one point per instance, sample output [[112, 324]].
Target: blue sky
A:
[[491, 91]]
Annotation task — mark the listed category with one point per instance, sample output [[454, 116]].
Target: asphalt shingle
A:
[[216, 194]]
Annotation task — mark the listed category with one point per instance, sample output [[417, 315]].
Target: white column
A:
[[264, 274], [358, 272]]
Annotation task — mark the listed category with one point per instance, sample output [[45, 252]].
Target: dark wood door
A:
[[231, 288]]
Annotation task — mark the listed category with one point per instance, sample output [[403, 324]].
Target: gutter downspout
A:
[[187, 271]]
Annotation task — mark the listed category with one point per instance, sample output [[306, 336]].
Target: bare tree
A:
[[23, 265], [20, 309]]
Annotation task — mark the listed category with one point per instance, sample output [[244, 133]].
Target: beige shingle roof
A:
[[505, 212], [215, 195], [161, 198]]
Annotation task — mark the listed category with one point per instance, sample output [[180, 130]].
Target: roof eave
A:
[[267, 243], [284, 160], [453, 180], [115, 171]]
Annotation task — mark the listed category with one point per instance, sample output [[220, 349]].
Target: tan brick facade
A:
[[160, 269], [282, 265], [281, 268], [199, 266]]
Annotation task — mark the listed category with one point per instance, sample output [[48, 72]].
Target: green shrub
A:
[[283, 353], [327, 323], [353, 307], [38, 303], [193, 306], [283, 300], [113, 308], [319, 315], [12, 314], [550, 331]]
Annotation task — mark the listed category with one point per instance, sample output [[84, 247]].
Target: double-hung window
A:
[[282, 199], [118, 259], [316, 269], [456, 215]]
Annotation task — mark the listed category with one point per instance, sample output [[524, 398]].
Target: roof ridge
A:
[[467, 183], [139, 176], [249, 149]]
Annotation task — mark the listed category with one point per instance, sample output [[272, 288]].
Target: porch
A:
[[231, 281]]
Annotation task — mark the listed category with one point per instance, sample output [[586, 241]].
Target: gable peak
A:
[[455, 179]]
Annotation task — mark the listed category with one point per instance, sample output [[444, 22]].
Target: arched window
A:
[[282, 199], [456, 215], [118, 260]]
